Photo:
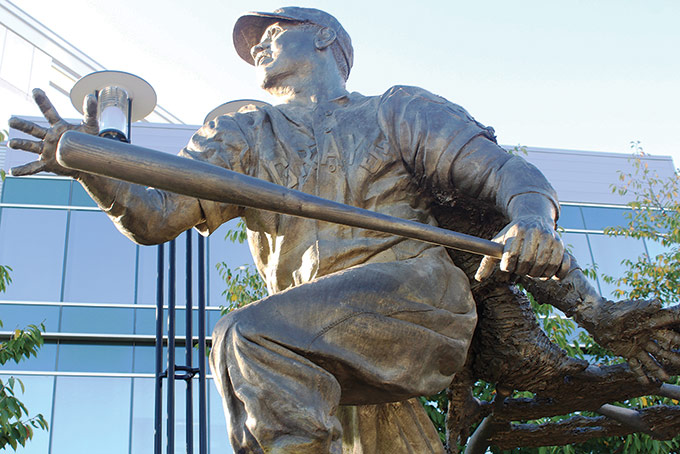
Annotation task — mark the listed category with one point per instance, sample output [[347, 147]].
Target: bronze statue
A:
[[358, 323]]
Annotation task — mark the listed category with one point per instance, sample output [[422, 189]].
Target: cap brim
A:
[[248, 31]]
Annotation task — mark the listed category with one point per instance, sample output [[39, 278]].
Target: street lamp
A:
[[122, 98]]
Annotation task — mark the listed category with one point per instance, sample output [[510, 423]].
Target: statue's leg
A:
[[273, 398], [374, 333]]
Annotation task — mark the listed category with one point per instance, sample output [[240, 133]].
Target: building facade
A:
[[95, 290]]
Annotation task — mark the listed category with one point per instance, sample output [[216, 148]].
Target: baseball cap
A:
[[249, 28]]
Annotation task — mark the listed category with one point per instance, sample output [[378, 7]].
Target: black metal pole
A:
[[202, 398], [188, 346], [171, 349], [158, 408]]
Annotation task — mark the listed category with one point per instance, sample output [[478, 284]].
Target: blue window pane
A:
[[577, 245], [145, 321], [570, 217], [45, 360], [180, 322], [655, 248], [608, 253], [97, 320], [147, 273], [143, 416], [219, 441], [79, 197], [94, 358], [213, 318], [181, 418], [32, 243], [145, 359], [36, 191], [100, 265], [15, 316], [91, 414], [38, 400], [223, 250], [600, 218]]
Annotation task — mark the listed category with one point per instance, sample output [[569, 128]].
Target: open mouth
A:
[[261, 57]]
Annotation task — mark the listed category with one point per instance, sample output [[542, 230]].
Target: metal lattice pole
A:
[[173, 371]]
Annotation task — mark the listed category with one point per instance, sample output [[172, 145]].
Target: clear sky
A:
[[578, 74]]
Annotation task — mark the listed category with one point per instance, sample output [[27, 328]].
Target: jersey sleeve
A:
[[445, 149]]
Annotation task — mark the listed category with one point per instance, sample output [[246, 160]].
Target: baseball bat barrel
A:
[[134, 164]]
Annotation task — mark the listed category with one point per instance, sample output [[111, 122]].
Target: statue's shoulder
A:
[[406, 99], [408, 94], [247, 118], [409, 91]]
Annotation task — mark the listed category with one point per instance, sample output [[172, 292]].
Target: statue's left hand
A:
[[531, 248], [642, 332], [46, 146]]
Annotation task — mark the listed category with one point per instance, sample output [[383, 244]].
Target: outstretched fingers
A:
[[652, 366], [90, 109], [663, 318], [27, 145], [28, 127], [636, 367], [660, 353], [667, 338], [28, 169], [46, 107]]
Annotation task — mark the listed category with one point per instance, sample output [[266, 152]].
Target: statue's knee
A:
[[223, 326], [237, 323]]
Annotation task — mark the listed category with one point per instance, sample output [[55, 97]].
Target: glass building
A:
[[95, 290]]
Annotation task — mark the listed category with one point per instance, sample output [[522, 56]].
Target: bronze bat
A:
[[122, 161]]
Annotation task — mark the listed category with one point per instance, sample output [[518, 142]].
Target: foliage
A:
[[3, 175], [519, 150], [16, 427], [13, 430], [244, 284], [654, 217], [5, 278], [436, 407]]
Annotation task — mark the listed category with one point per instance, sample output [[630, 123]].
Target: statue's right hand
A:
[[46, 146]]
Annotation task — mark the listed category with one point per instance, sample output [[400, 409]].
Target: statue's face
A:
[[285, 50]]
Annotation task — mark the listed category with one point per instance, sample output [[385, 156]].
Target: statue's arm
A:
[[447, 150], [532, 247], [641, 331], [146, 215]]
